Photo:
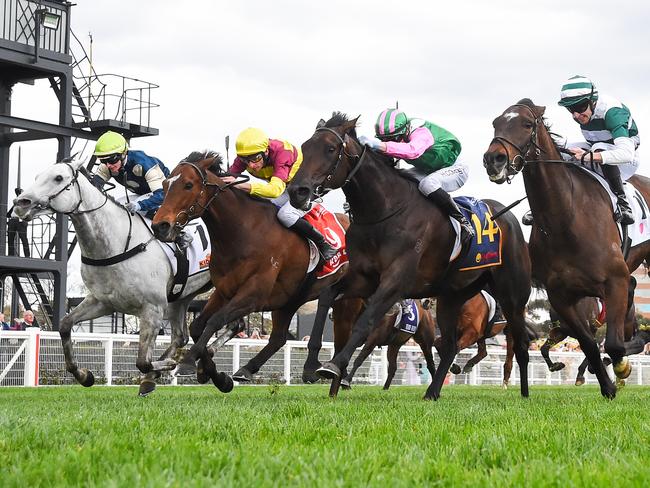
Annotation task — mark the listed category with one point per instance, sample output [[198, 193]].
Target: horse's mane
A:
[[196, 156], [339, 118], [547, 125]]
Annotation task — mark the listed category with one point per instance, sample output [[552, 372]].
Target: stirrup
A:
[[466, 233], [625, 216], [527, 219]]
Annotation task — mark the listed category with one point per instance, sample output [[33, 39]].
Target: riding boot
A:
[[444, 201], [183, 240], [527, 219], [306, 230], [613, 176]]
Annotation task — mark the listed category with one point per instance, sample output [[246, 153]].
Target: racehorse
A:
[[399, 246], [575, 245], [261, 265], [386, 334], [137, 283]]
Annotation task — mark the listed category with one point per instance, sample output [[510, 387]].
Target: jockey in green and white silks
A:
[[610, 133], [433, 152]]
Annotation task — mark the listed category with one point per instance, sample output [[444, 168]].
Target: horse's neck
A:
[[376, 191], [549, 186], [103, 232]]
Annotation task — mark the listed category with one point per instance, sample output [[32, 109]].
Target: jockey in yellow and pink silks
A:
[[275, 161]]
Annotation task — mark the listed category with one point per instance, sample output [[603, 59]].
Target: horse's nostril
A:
[[22, 202], [500, 158]]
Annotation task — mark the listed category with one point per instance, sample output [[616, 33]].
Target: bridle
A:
[[74, 181], [191, 211], [517, 164], [323, 188]]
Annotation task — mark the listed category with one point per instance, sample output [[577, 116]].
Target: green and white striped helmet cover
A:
[[391, 122], [577, 89]]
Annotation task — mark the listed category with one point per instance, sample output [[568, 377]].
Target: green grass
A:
[[296, 436]]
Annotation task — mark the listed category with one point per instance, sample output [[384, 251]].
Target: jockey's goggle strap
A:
[[110, 159]]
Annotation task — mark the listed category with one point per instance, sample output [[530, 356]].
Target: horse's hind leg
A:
[[358, 361], [447, 313], [580, 377], [150, 322], [325, 301], [507, 365], [555, 335], [89, 308], [391, 356]]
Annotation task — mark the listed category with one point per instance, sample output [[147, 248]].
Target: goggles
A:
[[253, 158], [579, 107], [111, 158]]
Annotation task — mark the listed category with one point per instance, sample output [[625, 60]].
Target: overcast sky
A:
[[281, 66]]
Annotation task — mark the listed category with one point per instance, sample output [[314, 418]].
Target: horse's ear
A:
[[321, 123], [540, 110], [349, 126]]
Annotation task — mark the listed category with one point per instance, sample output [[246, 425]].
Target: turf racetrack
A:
[[296, 436]]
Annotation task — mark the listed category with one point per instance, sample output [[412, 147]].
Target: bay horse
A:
[[399, 246], [258, 264], [137, 286], [575, 245], [386, 334]]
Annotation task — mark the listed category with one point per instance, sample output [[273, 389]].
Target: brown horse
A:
[[400, 244], [257, 263], [575, 245], [386, 334]]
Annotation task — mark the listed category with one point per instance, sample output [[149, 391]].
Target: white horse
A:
[[138, 285]]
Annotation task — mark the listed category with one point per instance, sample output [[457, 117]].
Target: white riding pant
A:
[[449, 179], [288, 215], [627, 169]]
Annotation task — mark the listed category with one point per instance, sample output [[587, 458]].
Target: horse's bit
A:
[[321, 189]]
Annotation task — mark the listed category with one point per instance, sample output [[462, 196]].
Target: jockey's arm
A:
[[273, 189], [154, 178], [101, 176], [421, 139]]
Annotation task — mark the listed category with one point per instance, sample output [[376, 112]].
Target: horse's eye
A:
[[331, 149], [58, 178], [528, 125], [188, 185]]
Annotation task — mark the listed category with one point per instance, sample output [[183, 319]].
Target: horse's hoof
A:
[[623, 369], [146, 387], [223, 382], [467, 369], [608, 391], [345, 384], [580, 381], [185, 369], [557, 367], [85, 377], [310, 377], [243, 376], [455, 369], [329, 371]]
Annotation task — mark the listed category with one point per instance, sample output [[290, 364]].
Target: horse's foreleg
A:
[[616, 296], [150, 321], [378, 304], [555, 335], [481, 353], [358, 361], [278, 338], [325, 301], [90, 308], [580, 377], [579, 326]]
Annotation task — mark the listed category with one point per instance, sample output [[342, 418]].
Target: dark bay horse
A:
[[259, 264], [575, 246], [399, 246], [386, 334]]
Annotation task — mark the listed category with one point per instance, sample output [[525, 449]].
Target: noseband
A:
[[73, 181], [191, 213], [321, 189]]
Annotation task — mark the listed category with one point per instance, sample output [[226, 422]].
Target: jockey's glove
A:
[[371, 142], [133, 207]]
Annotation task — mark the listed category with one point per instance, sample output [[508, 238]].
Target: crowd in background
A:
[[18, 324]]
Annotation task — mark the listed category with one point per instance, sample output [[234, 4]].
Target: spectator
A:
[[3, 325], [28, 320], [255, 334], [18, 325]]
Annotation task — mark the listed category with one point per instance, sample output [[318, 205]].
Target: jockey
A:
[[136, 171], [276, 162], [611, 136], [432, 151], [610, 132]]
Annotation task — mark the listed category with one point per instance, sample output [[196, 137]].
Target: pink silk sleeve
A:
[[421, 140]]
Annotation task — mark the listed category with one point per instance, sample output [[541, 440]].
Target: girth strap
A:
[[118, 258], [182, 273]]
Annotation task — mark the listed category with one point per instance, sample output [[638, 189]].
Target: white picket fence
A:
[[35, 358]]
